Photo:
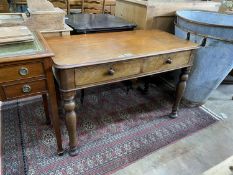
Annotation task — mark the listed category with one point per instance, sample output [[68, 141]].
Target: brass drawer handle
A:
[[111, 71], [26, 88], [169, 61], [23, 71]]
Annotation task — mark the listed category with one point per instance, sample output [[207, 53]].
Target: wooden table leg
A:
[[179, 91], [71, 120], [55, 118], [46, 108], [53, 105]]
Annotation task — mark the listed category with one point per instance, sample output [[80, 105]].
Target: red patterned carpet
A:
[[115, 129]]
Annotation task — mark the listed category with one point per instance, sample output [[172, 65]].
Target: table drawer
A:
[[21, 71], [106, 72], [24, 89], [166, 62]]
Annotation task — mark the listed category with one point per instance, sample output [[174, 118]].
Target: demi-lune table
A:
[[84, 61]]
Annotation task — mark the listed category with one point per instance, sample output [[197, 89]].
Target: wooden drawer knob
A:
[[169, 61], [26, 88], [23, 71], [111, 71]]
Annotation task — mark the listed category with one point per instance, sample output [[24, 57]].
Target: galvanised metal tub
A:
[[214, 60]]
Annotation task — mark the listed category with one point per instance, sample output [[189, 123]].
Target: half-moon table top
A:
[[90, 49]]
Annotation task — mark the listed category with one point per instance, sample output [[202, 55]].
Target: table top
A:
[[83, 50]]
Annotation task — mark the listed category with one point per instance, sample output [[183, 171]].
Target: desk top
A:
[[82, 50], [25, 50]]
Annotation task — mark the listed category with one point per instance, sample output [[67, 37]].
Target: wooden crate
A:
[[46, 20], [52, 33], [160, 15]]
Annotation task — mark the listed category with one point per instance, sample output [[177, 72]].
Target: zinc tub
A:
[[214, 60]]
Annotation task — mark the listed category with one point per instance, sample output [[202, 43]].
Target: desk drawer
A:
[[106, 72], [166, 62], [24, 89], [21, 71]]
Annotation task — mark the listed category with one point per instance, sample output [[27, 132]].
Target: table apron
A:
[[100, 74]]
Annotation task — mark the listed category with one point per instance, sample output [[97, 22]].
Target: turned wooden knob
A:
[[169, 61], [111, 71]]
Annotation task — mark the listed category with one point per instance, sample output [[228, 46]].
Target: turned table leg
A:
[[179, 91], [71, 120]]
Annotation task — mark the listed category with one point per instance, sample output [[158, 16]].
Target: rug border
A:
[[163, 147]]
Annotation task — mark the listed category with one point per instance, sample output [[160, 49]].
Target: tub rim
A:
[[202, 23], [203, 35]]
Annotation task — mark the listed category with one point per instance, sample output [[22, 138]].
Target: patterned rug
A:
[[114, 130]]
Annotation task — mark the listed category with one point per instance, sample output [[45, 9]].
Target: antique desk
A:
[[26, 70], [89, 60]]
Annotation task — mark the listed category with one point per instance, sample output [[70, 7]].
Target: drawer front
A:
[[16, 72], [24, 89], [166, 62], [106, 72]]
